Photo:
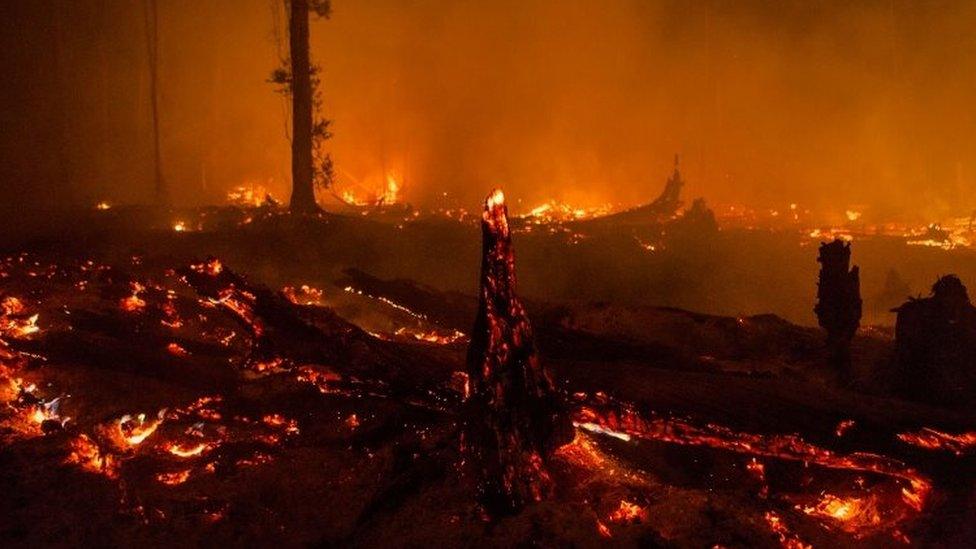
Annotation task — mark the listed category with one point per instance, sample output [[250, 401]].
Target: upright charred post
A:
[[838, 301], [515, 416], [936, 341]]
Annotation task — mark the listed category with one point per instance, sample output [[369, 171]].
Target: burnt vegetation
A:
[[253, 374]]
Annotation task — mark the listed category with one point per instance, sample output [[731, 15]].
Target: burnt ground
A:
[[162, 400]]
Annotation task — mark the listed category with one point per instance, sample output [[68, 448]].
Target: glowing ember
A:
[[133, 430], [628, 513], [855, 515], [625, 422], [930, 439], [133, 303], [304, 295], [13, 323], [758, 472], [87, 455], [174, 478], [554, 212], [843, 427], [103, 206], [212, 267], [176, 349], [432, 336], [182, 451], [279, 421], [787, 539]]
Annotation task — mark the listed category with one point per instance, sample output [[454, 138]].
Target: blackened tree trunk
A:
[[515, 416], [936, 341], [302, 191], [838, 302], [151, 13]]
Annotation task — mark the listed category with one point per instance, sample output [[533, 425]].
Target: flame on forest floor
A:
[[86, 454], [250, 196], [852, 514], [174, 478], [14, 321], [931, 439], [387, 301], [133, 430], [431, 336], [858, 515], [188, 451], [387, 195], [628, 512], [787, 539], [133, 303], [554, 212], [843, 427], [303, 295]]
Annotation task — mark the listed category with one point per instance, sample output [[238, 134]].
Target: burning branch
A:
[[515, 415]]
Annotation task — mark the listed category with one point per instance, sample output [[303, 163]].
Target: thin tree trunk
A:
[[302, 191], [152, 47], [64, 169]]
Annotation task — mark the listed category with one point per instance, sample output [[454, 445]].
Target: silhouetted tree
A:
[[151, 13], [838, 305], [311, 166]]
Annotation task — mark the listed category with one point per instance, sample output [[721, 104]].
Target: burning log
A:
[[838, 301], [516, 418], [935, 339]]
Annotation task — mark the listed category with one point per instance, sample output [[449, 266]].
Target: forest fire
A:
[[554, 212], [250, 196], [279, 303], [931, 439]]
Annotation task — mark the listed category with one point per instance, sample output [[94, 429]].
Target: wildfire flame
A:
[[133, 430], [932, 439]]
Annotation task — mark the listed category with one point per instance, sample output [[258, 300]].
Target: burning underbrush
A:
[[149, 402]]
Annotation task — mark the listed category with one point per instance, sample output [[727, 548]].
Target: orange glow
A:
[[628, 512], [174, 478], [931, 439], [182, 451], [133, 430], [87, 455], [853, 514]]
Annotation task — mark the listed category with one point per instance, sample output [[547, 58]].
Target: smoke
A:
[[825, 104]]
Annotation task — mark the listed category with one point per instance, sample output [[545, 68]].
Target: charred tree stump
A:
[[935, 338], [515, 417], [838, 305]]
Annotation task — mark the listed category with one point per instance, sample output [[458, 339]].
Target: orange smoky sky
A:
[[823, 103]]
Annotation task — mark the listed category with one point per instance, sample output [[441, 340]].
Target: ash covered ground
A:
[[259, 378]]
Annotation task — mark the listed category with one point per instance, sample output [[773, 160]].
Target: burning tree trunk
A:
[[302, 191], [515, 415], [838, 301]]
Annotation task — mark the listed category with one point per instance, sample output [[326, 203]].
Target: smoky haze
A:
[[824, 104]]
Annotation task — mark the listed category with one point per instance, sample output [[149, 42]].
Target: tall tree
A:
[[311, 165], [302, 190], [151, 13]]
